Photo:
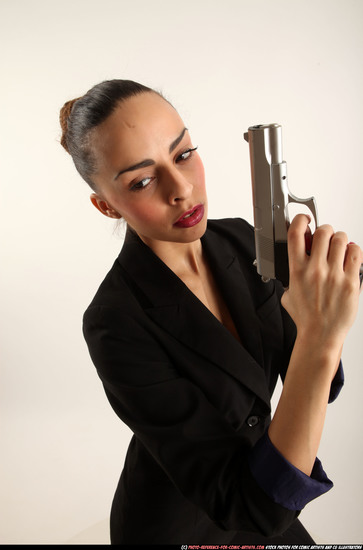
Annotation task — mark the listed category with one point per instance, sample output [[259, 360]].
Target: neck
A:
[[181, 258]]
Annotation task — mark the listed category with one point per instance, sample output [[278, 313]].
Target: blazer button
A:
[[253, 421]]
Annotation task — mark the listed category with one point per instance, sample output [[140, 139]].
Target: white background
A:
[[225, 66]]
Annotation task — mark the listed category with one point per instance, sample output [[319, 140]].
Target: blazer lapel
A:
[[169, 302], [232, 283]]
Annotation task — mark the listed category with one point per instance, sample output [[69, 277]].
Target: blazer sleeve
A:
[[202, 454]]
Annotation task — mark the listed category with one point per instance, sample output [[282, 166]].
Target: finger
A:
[[308, 240], [296, 240], [338, 249], [321, 243], [353, 260]]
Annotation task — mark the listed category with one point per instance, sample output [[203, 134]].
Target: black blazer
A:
[[196, 399]]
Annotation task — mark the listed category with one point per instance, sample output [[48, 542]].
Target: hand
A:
[[322, 298]]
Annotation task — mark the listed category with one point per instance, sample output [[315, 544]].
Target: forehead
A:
[[136, 128]]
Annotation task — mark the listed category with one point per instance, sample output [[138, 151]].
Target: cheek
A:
[[199, 172], [142, 213]]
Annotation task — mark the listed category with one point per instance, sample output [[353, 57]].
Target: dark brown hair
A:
[[79, 116]]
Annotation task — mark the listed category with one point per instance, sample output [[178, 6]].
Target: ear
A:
[[104, 207]]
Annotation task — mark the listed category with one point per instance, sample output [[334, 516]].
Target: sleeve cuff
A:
[[283, 483], [336, 384]]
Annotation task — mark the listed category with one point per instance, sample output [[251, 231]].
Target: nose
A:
[[178, 187]]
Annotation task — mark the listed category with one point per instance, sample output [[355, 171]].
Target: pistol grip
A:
[[282, 263]]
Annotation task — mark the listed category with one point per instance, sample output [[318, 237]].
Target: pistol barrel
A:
[[265, 146]]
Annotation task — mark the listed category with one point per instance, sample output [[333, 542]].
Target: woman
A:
[[188, 341]]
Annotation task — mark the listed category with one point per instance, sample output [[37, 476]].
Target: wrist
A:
[[323, 346], [316, 357]]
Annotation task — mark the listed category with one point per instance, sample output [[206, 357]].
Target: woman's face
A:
[[149, 173]]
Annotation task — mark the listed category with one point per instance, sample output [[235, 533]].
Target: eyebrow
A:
[[176, 141], [150, 162]]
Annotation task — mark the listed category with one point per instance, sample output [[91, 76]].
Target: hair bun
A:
[[63, 119]]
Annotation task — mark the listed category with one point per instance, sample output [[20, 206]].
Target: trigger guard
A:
[[309, 203]]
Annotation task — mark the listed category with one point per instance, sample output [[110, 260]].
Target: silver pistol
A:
[[271, 197]]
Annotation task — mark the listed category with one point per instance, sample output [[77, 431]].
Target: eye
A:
[[141, 184], [187, 154]]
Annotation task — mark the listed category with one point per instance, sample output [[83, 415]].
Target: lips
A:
[[191, 217]]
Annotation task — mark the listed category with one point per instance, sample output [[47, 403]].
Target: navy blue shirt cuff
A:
[[281, 481], [336, 384]]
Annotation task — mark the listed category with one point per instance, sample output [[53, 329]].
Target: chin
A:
[[192, 233]]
